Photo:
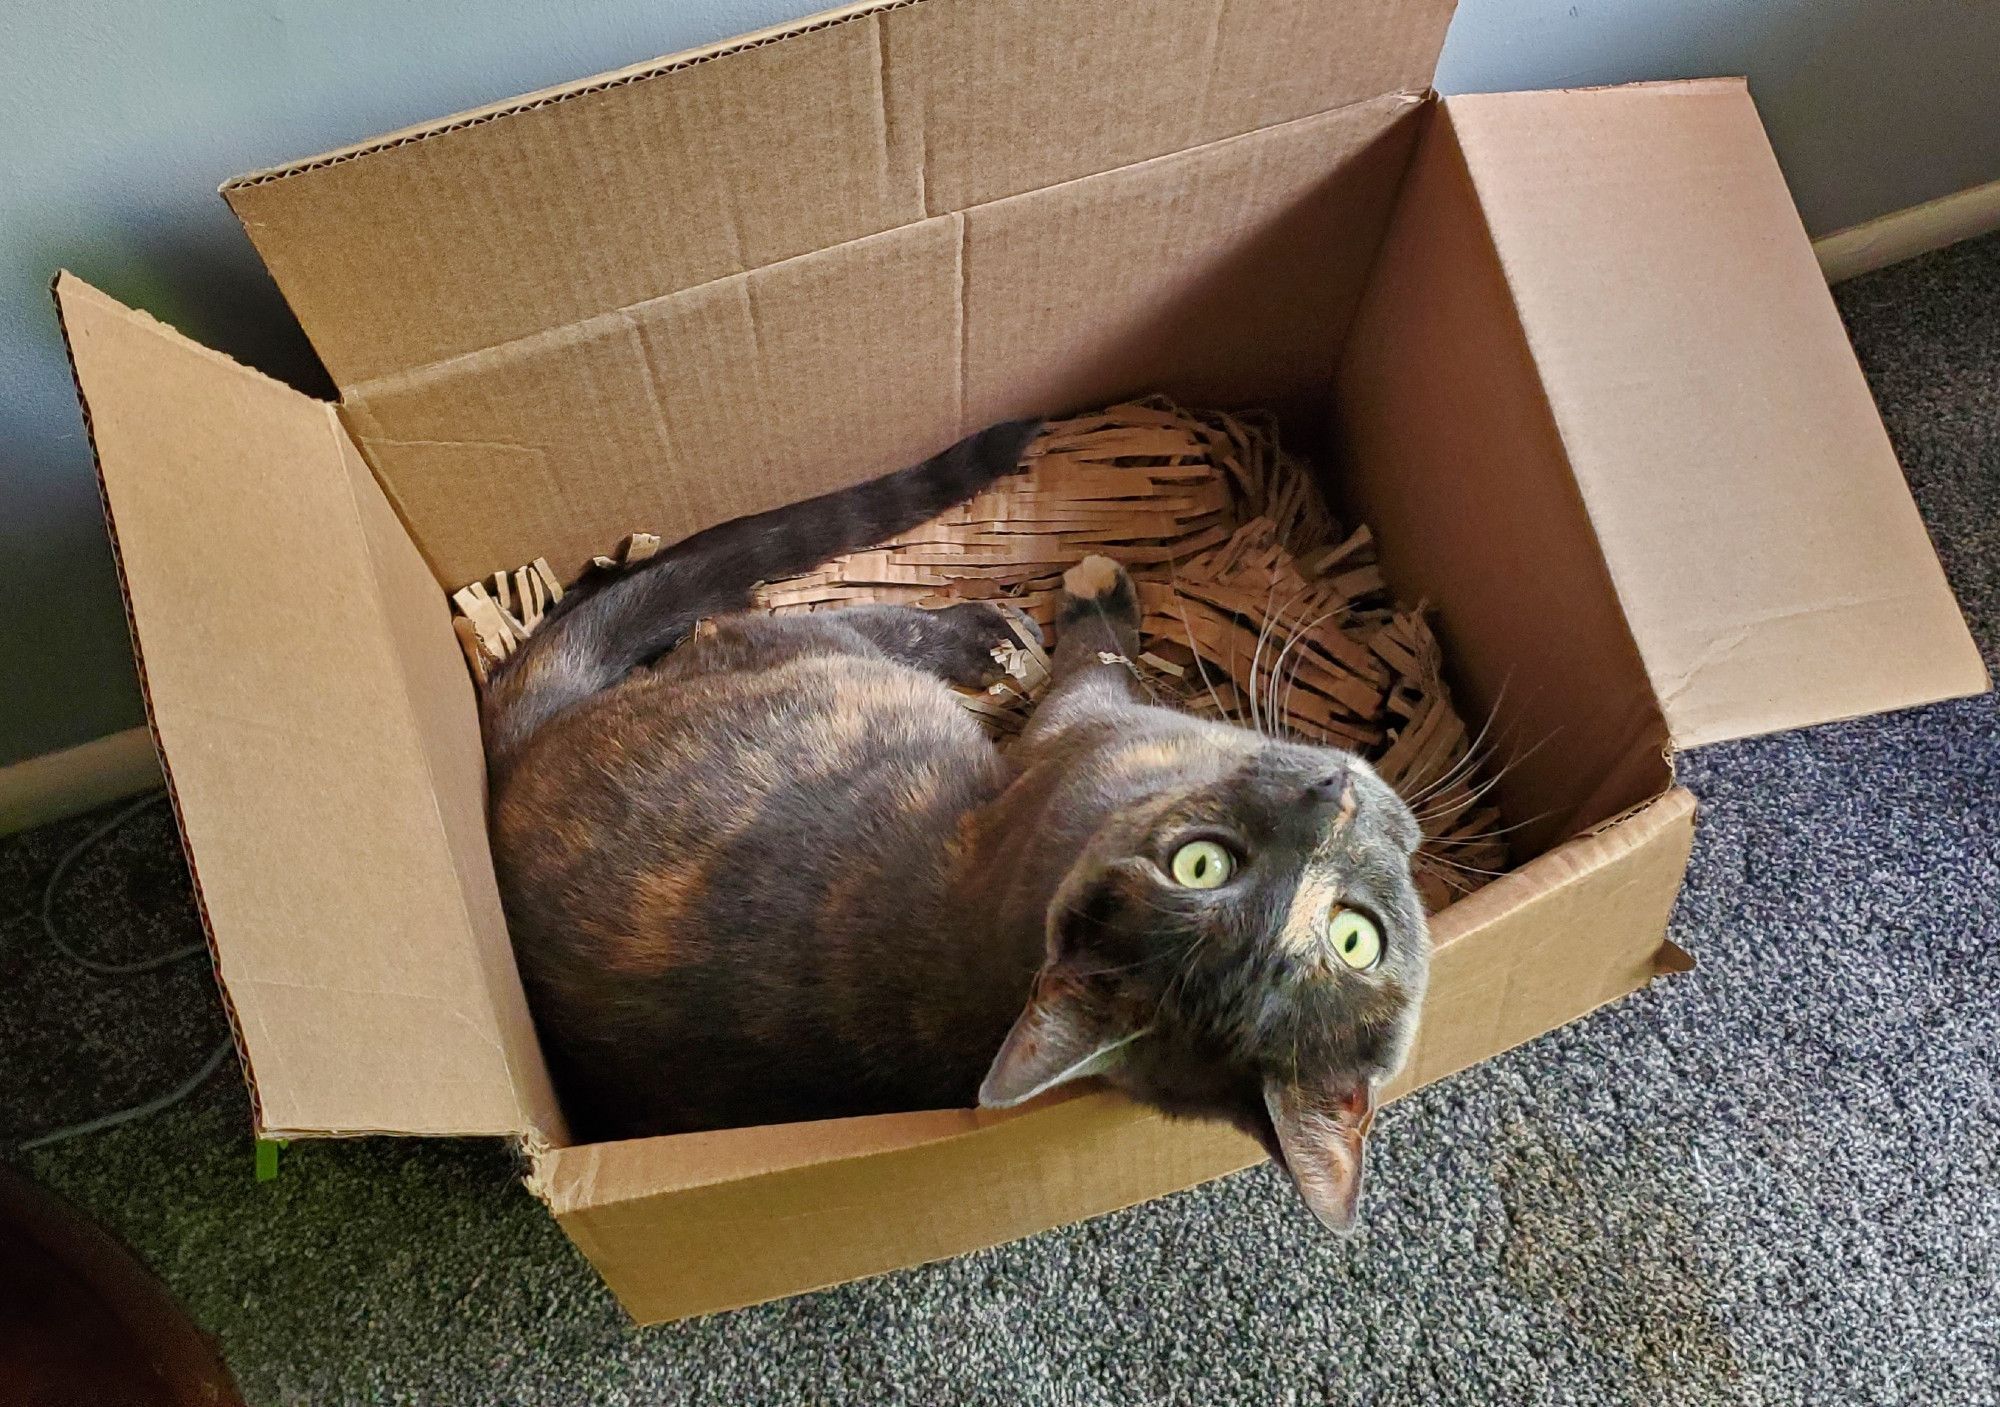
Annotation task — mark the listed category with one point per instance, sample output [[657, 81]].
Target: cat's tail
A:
[[597, 635]]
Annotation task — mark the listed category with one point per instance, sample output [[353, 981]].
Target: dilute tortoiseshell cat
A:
[[769, 869]]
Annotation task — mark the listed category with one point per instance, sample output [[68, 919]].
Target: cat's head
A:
[[1247, 945]]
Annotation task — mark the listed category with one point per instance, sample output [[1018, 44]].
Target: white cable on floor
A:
[[137, 1111], [116, 969], [49, 891]]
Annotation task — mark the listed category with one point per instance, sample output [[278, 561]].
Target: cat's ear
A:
[[1323, 1133], [1067, 1031]]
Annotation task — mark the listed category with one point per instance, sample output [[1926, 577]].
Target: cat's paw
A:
[[1023, 627], [976, 629], [1100, 586]]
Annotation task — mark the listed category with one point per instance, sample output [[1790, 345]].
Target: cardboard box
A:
[[1569, 351]]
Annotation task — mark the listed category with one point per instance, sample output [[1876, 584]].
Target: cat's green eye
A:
[[1356, 938], [1202, 864]]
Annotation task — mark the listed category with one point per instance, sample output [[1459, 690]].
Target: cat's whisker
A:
[[1462, 770], [1192, 955], [1272, 677], [1441, 820], [1200, 664], [1234, 675], [1476, 837], [1471, 755], [1469, 792], [1447, 854], [1466, 762], [1487, 783], [1115, 968], [1459, 865], [1298, 665], [1283, 701], [1165, 911], [1277, 669], [1273, 614], [1301, 633], [1446, 810], [1476, 755], [1466, 841], [1256, 654]]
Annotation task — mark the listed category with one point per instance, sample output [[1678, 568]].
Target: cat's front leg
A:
[[1097, 638], [955, 643], [1097, 627]]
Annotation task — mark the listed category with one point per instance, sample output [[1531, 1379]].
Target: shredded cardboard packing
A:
[[1258, 606]]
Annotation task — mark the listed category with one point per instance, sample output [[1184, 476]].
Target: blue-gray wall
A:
[[1873, 105], [118, 119]]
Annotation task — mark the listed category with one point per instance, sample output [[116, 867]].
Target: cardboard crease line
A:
[[515, 1075]]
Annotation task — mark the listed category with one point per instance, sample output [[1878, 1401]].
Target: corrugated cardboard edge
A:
[[562, 92], [64, 280], [602, 82], [699, 1223]]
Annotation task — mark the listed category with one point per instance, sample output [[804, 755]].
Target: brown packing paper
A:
[[1218, 526]]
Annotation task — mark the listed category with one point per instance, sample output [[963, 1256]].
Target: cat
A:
[[761, 869]]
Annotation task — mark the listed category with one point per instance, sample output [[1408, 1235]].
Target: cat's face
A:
[[1248, 947]]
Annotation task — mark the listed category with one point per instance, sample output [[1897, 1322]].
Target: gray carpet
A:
[[1772, 1181]]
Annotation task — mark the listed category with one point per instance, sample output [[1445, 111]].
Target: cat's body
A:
[[779, 863], [771, 870]]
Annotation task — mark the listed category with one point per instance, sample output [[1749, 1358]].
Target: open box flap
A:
[[1756, 526], [320, 742], [573, 203]]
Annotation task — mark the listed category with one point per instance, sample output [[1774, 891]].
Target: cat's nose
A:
[[1329, 789]]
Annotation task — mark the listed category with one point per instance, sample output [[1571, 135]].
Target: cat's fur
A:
[[769, 869]]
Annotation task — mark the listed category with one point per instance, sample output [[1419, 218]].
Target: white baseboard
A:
[[1904, 234], [59, 784]]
